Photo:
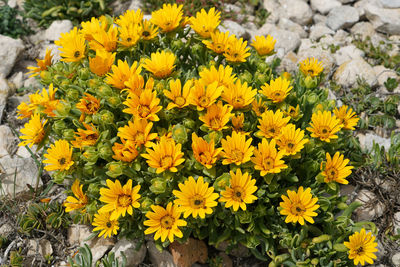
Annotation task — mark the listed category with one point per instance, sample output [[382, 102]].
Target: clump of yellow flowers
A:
[[170, 127]]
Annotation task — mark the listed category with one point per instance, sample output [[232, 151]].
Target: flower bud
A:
[[72, 94], [63, 108], [68, 134], [107, 117], [246, 77], [315, 261], [114, 101], [177, 44], [262, 66], [91, 208], [310, 82], [189, 124], [94, 83], [179, 134], [93, 189], [115, 169], [58, 177], [105, 151], [90, 154], [197, 49], [146, 204], [312, 98], [59, 126], [158, 185], [83, 73], [261, 78], [46, 76], [104, 91]]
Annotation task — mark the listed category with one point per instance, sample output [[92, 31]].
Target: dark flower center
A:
[[77, 54], [62, 161]]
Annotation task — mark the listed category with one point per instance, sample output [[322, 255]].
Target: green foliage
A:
[[10, 22], [386, 160], [47, 11], [16, 259], [84, 258], [391, 84]]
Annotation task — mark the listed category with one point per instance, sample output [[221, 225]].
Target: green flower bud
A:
[[59, 126], [115, 169], [177, 44], [189, 124], [310, 82], [72, 94], [315, 261], [68, 134], [59, 177], [246, 77], [46, 76], [197, 49], [158, 185], [90, 154], [222, 182], [114, 101], [94, 83], [84, 73], [93, 189], [63, 108], [312, 98], [179, 134], [146, 204], [321, 238], [262, 66], [261, 77], [104, 91], [105, 151]]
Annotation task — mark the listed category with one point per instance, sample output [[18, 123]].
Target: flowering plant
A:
[[171, 127]]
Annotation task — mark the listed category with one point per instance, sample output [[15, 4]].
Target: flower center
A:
[[143, 111], [62, 161], [167, 222], [311, 72], [139, 138], [166, 162], [360, 250], [325, 131], [290, 145], [331, 174], [204, 100], [129, 39], [238, 194], [124, 201], [215, 123], [108, 224], [77, 54], [146, 33], [198, 202], [180, 101], [239, 101], [268, 163], [298, 209], [237, 155], [92, 136]]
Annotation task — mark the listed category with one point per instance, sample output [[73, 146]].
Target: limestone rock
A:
[[342, 17], [159, 258], [367, 141], [42, 246], [324, 6], [396, 259], [288, 41], [273, 9], [6, 230], [7, 141], [135, 5], [390, 3], [384, 20], [346, 1], [396, 223], [383, 74], [287, 24], [347, 53], [233, 28], [318, 18], [77, 233], [4, 93], [297, 11], [348, 73], [289, 63], [17, 80], [192, 251], [371, 208], [363, 29], [99, 247], [56, 28], [134, 257], [319, 30], [9, 52], [32, 82], [54, 51]]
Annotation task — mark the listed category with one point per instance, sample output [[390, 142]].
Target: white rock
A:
[[347, 53], [9, 52], [363, 29], [232, 8], [297, 11], [6, 230], [350, 71], [384, 20], [383, 74], [367, 141], [159, 258], [390, 3], [342, 37], [371, 207], [273, 9], [324, 6], [7, 141], [134, 257], [342, 17], [287, 24], [56, 28], [42, 246], [12, 3], [396, 223], [78, 233], [346, 1], [17, 79], [396, 259], [288, 63], [135, 4], [32, 82], [99, 247], [287, 40], [233, 28], [4, 93], [23, 152], [319, 30], [318, 18]]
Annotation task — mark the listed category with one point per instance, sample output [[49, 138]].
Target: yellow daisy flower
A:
[[223, 76], [324, 126], [239, 95], [177, 94], [267, 159], [240, 192], [149, 30], [24, 110], [164, 222], [264, 45], [95, 25], [202, 96], [88, 105], [238, 123], [161, 64], [348, 118], [205, 23], [105, 225], [277, 90], [259, 106], [135, 85], [164, 155], [105, 40], [72, 46], [121, 73], [168, 18], [311, 67], [138, 132], [291, 140], [236, 149], [79, 201], [130, 17], [236, 51], [101, 64], [144, 106], [299, 206], [126, 151], [195, 198], [293, 112], [86, 137], [271, 123], [59, 156], [42, 64], [219, 41], [204, 152], [129, 35], [335, 169], [33, 131], [119, 199], [361, 247], [217, 116]]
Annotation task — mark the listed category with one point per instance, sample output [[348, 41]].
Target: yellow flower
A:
[[311, 67], [135, 85], [86, 137], [120, 199], [126, 151], [205, 23], [42, 64], [164, 155], [348, 118], [324, 126], [236, 149], [164, 222], [105, 40], [138, 132], [24, 110], [259, 106], [149, 30], [361, 247], [177, 95], [88, 105], [267, 159], [223, 76], [129, 35], [195, 198], [89, 28], [144, 106], [293, 112], [205, 153], [33, 131], [121, 73], [168, 18], [219, 41], [59, 156], [264, 45], [291, 140], [238, 123], [72, 46], [79, 201], [236, 51], [161, 64], [130, 17], [277, 90], [240, 192], [335, 169], [102, 63], [271, 123], [299, 206], [104, 224], [239, 95], [203, 96], [217, 116]]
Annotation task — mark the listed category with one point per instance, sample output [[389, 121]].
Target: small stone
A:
[[347, 190], [350, 71], [226, 260], [347, 53], [42, 246], [319, 30], [4, 93], [363, 30], [134, 257], [396, 259], [77, 233], [342, 17], [159, 258], [6, 230], [32, 82], [99, 246], [17, 80], [396, 223], [289, 63], [192, 251], [383, 74], [383, 19], [371, 207], [324, 6], [9, 52], [7, 141], [289, 25], [273, 9], [390, 3], [135, 5], [318, 18], [56, 28], [288, 41], [233, 28], [297, 11], [367, 141], [239, 251]]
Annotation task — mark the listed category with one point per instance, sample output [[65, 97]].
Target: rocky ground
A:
[[326, 29]]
